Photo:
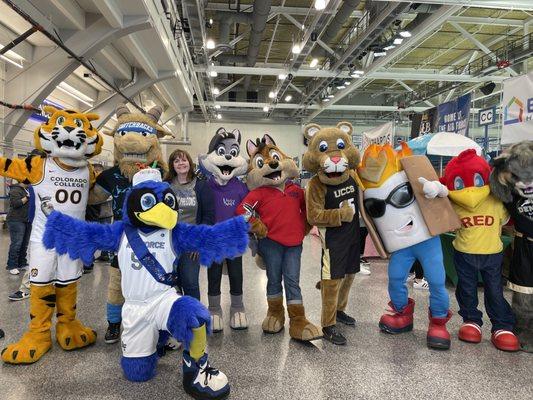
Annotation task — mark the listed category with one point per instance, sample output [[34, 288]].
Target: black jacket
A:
[[206, 205], [18, 212]]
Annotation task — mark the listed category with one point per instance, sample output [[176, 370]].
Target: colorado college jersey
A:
[[67, 190], [137, 283]]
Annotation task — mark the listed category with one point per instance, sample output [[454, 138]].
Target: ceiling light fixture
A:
[[210, 44], [347, 83], [313, 63], [397, 41], [211, 21], [288, 98], [356, 73], [380, 53], [389, 47], [341, 87], [296, 49], [320, 4], [265, 108], [325, 100], [271, 95], [330, 96], [405, 34], [216, 91], [217, 106], [72, 92], [282, 76], [219, 116], [213, 74]]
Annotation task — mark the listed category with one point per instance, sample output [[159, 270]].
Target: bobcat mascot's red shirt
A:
[[283, 212]]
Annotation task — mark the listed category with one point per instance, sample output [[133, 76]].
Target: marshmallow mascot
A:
[[390, 201]]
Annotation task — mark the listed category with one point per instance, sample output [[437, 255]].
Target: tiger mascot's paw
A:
[[29, 349], [74, 335]]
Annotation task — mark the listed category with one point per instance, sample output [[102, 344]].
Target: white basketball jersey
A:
[[68, 192], [137, 283]]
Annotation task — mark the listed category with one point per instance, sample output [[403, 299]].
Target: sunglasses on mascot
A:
[[400, 197]]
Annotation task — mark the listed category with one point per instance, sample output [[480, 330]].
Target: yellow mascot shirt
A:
[[482, 227]]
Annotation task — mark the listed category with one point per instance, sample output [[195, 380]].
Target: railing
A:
[[514, 51]]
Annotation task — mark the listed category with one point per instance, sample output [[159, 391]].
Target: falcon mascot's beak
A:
[[160, 215]]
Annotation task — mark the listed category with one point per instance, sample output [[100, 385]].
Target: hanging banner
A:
[[380, 135], [424, 123], [517, 109], [454, 115]]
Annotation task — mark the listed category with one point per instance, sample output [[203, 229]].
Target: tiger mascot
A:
[[62, 178]]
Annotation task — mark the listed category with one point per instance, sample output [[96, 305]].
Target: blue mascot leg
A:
[[189, 322], [139, 369]]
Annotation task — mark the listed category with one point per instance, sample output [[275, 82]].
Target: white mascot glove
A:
[[433, 189]]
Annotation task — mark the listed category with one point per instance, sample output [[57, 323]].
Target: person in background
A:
[[364, 266], [417, 276], [19, 227], [196, 206]]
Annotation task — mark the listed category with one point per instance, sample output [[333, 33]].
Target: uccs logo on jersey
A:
[[69, 134]]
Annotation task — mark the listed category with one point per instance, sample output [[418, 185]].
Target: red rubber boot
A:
[[398, 321], [505, 340], [438, 336], [470, 332]]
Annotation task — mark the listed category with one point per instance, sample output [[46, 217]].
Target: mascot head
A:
[[513, 172], [330, 152], [467, 179], [268, 166], [150, 203], [68, 135], [136, 137], [223, 159], [389, 199]]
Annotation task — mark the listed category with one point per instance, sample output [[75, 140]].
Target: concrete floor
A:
[[372, 366]]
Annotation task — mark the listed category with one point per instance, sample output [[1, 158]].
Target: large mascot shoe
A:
[[37, 341], [299, 327], [398, 321], [505, 340], [71, 334], [238, 320], [202, 381], [438, 336], [217, 323], [470, 332], [275, 318]]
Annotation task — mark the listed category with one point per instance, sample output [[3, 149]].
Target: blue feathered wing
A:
[[80, 239], [214, 243]]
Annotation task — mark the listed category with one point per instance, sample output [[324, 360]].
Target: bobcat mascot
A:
[[511, 181], [332, 206], [63, 178]]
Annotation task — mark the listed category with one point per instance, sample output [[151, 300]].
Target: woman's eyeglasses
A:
[[400, 197]]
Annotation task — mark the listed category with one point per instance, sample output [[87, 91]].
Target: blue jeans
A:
[[429, 253], [188, 272], [490, 267], [19, 232], [282, 264]]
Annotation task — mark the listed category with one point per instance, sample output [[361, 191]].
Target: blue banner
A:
[[454, 115]]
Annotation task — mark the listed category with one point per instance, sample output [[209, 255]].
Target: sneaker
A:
[[411, 277], [87, 269], [364, 269], [202, 381], [333, 335], [14, 271], [18, 295], [345, 319], [420, 284], [112, 334]]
